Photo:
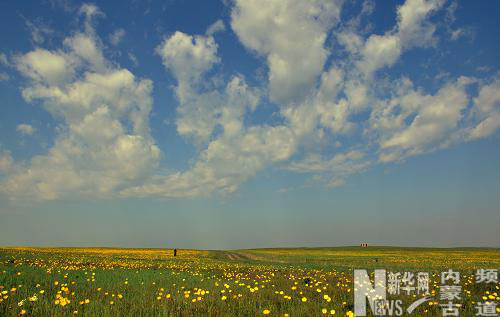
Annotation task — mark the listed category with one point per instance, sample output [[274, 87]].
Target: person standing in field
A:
[[175, 252]]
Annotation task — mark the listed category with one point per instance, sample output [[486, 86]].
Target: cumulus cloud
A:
[[104, 142], [225, 164], [435, 118], [413, 29], [235, 154], [89, 49], [291, 36], [104, 146], [380, 51], [486, 110], [188, 57], [44, 66]]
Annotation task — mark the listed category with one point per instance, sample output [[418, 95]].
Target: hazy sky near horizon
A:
[[241, 124]]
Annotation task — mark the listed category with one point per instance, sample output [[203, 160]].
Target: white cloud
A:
[[104, 146], [235, 154], [323, 109], [48, 67], [202, 104], [188, 57], [435, 119], [103, 143], [88, 48], [291, 36], [380, 51], [412, 30], [225, 164], [486, 110], [413, 25], [217, 26], [116, 37], [351, 41], [25, 129]]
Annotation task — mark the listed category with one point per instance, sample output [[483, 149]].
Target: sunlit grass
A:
[[276, 282]]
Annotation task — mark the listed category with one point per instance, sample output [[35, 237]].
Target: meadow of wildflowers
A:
[[275, 282]]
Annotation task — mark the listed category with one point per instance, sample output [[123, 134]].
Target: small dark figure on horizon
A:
[[175, 252]]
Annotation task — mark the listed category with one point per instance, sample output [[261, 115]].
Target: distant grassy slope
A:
[[382, 257]]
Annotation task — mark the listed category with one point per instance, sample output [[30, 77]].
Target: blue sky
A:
[[239, 124]]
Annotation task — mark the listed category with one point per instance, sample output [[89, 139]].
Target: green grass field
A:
[[278, 282]]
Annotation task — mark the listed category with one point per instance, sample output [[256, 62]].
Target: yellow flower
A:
[[223, 297], [332, 312], [111, 302], [350, 314], [168, 296], [324, 311], [266, 312], [22, 312], [304, 299]]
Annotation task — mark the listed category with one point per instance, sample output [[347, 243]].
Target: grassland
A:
[[278, 282]]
